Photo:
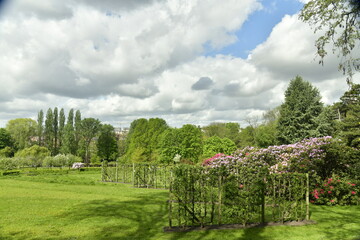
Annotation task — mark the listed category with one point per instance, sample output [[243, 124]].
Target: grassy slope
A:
[[78, 206]]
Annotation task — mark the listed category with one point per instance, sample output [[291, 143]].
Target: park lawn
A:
[[77, 205]]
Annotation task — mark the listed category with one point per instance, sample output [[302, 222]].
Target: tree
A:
[[229, 130], [56, 130], [22, 130], [68, 138], [33, 155], [49, 130], [233, 132], [349, 115], [339, 21], [298, 113], [77, 128], [143, 140], [107, 144], [191, 143], [247, 137], [89, 128], [156, 126], [265, 134], [40, 127], [170, 145], [215, 129], [61, 126], [6, 143], [214, 145]]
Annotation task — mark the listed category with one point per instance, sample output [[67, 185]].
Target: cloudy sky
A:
[[188, 61]]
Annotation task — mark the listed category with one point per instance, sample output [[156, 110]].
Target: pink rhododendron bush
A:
[[335, 190], [320, 157]]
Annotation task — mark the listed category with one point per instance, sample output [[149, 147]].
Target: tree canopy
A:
[[299, 112], [339, 23]]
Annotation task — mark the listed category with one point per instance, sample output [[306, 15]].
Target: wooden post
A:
[[116, 171], [102, 171], [307, 197], [263, 202], [170, 207], [219, 201]]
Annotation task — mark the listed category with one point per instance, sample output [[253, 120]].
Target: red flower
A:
[[329, 192], [332, 200], [331, 187], [353, 184], [353, 192]]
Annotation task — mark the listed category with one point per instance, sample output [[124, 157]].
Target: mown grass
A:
[[77, 205]]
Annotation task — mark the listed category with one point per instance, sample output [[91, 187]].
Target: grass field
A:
[[78, 206]]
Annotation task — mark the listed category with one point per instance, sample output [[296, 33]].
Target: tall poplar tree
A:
[[61, 126], [77, 128], [299, 112], [40, 127], [49, 130], [56, 130], [68, 139]]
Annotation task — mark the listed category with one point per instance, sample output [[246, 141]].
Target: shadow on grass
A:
[[338, 221], [139, 218]]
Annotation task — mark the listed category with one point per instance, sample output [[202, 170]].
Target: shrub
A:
[[7, 164], [336, 190]]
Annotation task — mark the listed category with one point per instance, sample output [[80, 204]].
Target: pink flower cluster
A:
[[296, 157], [335, 191]]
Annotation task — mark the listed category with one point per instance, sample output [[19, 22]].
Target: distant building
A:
[[121, 133]]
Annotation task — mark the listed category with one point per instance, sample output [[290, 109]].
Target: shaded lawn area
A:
[[78, 206]]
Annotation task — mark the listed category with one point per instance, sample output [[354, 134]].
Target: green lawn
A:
[[78, 206]]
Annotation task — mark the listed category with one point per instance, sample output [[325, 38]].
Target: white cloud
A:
[[121, 60]]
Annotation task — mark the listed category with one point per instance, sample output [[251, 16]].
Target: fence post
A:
[[307, 197], [220, 200], [170, 206], [263, 201], [102, 171], [116, 171]]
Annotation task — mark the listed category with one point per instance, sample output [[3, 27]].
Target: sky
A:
[[188, 61]]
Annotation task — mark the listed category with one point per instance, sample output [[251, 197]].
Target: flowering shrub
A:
[[303, 156], [336, 190]]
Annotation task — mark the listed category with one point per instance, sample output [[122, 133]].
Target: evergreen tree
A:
[[299, 112], [349, 111]]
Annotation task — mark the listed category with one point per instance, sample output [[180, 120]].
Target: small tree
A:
[[107, 143], [89, 129]]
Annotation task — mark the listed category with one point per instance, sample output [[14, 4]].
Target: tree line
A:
[[302, 115]]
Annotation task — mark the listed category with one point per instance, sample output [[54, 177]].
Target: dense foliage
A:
[[299, 112], [338, 21]]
